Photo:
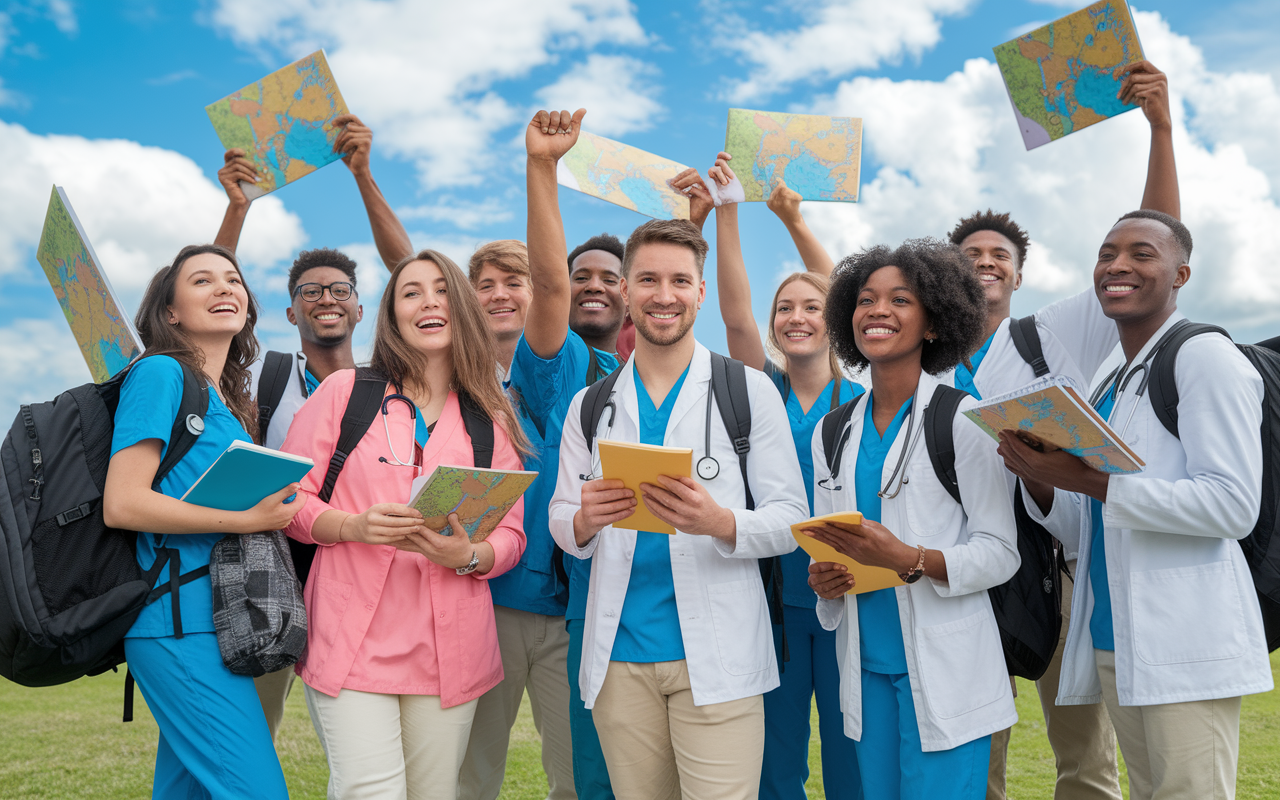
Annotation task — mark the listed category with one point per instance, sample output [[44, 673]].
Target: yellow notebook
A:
[[866, 579], [634, 464]]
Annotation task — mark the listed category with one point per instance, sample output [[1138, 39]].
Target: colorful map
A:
[[1066, 75], [819, 157], [480, 497], [282, 122], [623, 175], [105, 335]]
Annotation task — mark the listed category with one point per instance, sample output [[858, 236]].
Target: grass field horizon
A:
[[67, 742]]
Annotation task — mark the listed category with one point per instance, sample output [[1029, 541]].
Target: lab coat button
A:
[[368, 606], [608, 613]]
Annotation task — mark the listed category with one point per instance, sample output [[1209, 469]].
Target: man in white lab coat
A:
[[678, 648], [1165, 623]]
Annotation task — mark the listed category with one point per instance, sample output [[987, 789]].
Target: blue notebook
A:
[[244, 474]]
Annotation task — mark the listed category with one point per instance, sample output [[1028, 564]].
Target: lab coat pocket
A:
[[325, 612], [929, 506], [741, 621], [961, 665], [1187, 614], [474, 635]]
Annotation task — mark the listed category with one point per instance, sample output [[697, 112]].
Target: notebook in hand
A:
[[866, 579], [244, 474], [480, 497], [634, 464]]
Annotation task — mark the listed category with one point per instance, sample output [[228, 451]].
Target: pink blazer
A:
[[347, 579]]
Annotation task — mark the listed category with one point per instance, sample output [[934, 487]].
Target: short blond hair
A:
[[508, 255]]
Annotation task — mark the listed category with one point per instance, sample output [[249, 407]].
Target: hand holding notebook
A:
[[866, 578]]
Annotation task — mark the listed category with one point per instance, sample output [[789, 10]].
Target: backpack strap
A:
[[479, 430], [834, 425], [1272, 344], [597, 398], [729, 385], [362, 407], [939, 435], [1026, 339], [1162, 383], [272, 382], [185, 431]]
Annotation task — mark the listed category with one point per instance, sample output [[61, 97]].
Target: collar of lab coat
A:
[[1117, 356], [692, 393]]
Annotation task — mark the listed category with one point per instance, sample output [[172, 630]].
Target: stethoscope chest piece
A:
[[195, 424], [708, 468]]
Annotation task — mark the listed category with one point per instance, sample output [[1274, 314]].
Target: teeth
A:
[[223, 307], [502, 311], [656, 315], [592, 304], [328, 316], [988, 278], [1119, 289], [431, 323], [798, 335], [878, 331]]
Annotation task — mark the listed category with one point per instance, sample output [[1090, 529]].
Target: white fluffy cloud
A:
[[837, 38], [947, 148], [39, 359], [423, 74], [616, 90]]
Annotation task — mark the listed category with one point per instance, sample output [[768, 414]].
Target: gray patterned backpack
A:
[[257, 603]]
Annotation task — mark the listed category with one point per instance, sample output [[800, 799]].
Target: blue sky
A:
[[107, 100]]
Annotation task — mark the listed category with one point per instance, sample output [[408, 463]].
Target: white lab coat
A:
[[1185, 614], [724, 618], [295, 394], [959, 680]]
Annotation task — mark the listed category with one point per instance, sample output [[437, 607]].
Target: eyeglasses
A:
[[311, 292]]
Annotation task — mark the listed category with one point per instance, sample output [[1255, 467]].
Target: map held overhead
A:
[[282, 122], [819, 157], [102, 329], [480, 497], [623, 175], [1066, 75]]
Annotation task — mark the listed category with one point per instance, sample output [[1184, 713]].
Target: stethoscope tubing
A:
[[413, 415]]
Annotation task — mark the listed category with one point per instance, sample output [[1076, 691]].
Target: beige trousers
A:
[[1175, 751], [1083, 741], [273, 690], [534, 649], [660, 746], [390, 746]]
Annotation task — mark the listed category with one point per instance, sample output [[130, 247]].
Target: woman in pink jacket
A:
[[401, 638]]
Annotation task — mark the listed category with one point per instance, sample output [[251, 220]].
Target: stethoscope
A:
[[707, 467], [1118, 382], [899, 474], [413, 415]]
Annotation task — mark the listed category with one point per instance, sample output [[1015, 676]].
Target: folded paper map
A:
[[104, 332], [282, 122], [865, 578], [817, 156], [480, 497], [624, 175], [1051, 411], [634, 464], [1065, 75]]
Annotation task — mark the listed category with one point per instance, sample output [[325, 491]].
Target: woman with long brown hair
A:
[[402, 640], [196, 317]]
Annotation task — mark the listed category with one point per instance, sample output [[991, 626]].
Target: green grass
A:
[[68, 742]]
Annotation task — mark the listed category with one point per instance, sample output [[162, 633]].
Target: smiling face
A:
[[663, 291], [209, 298], [597, 308], [889, 322], [504, 297], [799, 330], [1140, 268], [326, 322], [995, 259], [422, 307]]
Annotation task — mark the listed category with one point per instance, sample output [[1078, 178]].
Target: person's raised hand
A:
[[551, 134], [236, 167], [869, 543], [604, 502], [831, 581], [689, 183], [686, 505], [1147, 87], [272, 513], [721, 172], [354, 141], [784, 202], [382, 523]]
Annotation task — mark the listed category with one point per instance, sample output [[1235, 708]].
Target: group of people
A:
[[654, 663]]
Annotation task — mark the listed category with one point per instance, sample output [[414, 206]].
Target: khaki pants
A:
[[273, 690], [660, 746], [390, 746], [1083, 741], [535, 648], [1175, 751]]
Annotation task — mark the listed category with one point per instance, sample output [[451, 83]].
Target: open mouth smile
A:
[[224, 308]]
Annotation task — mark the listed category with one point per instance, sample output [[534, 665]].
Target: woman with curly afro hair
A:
[[923, 677]]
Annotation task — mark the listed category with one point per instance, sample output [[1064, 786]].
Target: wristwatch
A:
[[471, 565], [915, 573]]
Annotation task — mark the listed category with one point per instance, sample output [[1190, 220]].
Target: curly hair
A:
[[603, 241], [320, 257], [991, 221], [941, 277]]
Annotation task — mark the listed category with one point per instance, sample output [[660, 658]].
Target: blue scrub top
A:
[[1100, 622], [649, 628], [964, 375], [795, 565], [149, 402], [541, 390], [312, 381], [878, 620]]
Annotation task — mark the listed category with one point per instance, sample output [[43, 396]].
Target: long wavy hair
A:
[[474, 351], [159, 338], [822, 286]]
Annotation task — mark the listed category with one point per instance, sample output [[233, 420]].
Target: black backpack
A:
[[729, 387], [1262, 546], [72, 586], [277, 368], [362, 408], [1027, 607]]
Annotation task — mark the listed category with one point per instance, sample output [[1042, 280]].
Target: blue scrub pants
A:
[[890, 758], [811, 670], [590, 774], [214, 742]]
